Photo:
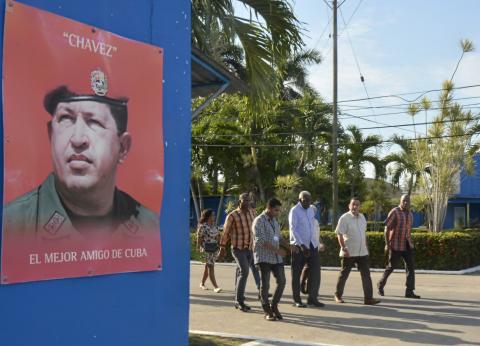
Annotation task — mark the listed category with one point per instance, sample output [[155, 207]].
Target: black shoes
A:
[[380, 289], [299, 305], [268, 312], [412, 295], [371, 301], [315, 303], [242, 307], [276, 313]]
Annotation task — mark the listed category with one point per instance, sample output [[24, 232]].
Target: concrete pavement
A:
[[447, 314]]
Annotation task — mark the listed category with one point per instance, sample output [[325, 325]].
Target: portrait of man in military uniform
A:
[[83, 143], [89, 140]]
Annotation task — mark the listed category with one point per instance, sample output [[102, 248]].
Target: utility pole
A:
[[334, 122]]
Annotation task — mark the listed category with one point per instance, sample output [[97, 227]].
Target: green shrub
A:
[[452, 250]]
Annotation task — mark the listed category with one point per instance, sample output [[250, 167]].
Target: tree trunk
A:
[[301, 164], [220, 203], [195, 202], [200, 197], [215, 182], [410, 184], [353, 186], [256, 171]]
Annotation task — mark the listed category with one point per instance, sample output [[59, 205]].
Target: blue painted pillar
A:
[[149, 308]]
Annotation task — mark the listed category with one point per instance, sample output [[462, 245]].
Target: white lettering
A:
[[61, 257], [95, 255], [70, 41], [136, 253], [34, 258], [117, 253], [80, 42], [109, 49], [96, 47], [88, 45]]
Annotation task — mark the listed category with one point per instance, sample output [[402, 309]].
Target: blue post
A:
[[148, 308]]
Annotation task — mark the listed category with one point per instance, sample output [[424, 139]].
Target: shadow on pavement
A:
[[405, 320]]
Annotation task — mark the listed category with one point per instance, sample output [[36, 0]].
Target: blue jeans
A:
[[255, 272], [244, 260]]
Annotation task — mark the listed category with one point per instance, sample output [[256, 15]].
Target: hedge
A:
[[452, 250]]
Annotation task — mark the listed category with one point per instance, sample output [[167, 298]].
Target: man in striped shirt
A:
[[238, 231], [399, 244]]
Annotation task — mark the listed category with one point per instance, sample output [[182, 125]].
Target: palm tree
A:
[[357, 151], [293, 74], [269, 36], [403, 163]]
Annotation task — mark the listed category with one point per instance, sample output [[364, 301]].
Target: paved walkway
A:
[[447, 314]]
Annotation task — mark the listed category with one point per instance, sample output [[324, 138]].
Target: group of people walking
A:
[[257, 244]]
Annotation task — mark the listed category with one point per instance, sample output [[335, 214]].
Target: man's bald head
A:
[[305, 199], [405, 202], [244, 201]]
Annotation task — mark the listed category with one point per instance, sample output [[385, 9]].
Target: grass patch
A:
[[210, 340]]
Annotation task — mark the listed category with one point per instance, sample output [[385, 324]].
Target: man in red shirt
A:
[[399, 244], [238, 231]]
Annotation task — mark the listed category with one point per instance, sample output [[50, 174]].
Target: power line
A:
[[340, 143], [382, 96], [418, 124], [470, 105], [362, 79], [293, 107], [328, 5], [423, 93], [323, 32], [404, 104], [345, 27], [324, 132], [378, 122]]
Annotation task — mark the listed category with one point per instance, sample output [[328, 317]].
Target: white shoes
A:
[[205, 288]]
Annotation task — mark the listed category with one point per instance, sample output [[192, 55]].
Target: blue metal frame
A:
[[223, 85], [141, 309]]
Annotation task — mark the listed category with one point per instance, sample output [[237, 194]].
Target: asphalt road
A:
[[447, 314]]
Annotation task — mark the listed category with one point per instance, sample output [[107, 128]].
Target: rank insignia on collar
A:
[[131, 226], [99, 82], [54, 223]]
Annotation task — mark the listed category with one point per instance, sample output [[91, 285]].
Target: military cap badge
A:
[[99, 82]]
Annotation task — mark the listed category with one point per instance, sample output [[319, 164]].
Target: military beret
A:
[[99, 88]]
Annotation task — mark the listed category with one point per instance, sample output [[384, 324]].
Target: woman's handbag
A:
[[210, 247]]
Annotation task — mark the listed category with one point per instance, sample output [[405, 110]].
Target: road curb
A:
[[255, 340]]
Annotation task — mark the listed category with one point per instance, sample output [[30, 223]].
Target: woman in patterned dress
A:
[[207, 232]]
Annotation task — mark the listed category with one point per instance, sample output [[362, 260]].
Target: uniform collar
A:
[[53, 221]]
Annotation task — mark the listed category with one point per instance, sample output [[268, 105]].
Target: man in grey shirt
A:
[[268, 252], [351, 233]]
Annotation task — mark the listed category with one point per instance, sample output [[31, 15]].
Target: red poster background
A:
[[38, 57]]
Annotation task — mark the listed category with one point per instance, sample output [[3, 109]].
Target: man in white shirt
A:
[[304, 236], [351, 233]]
